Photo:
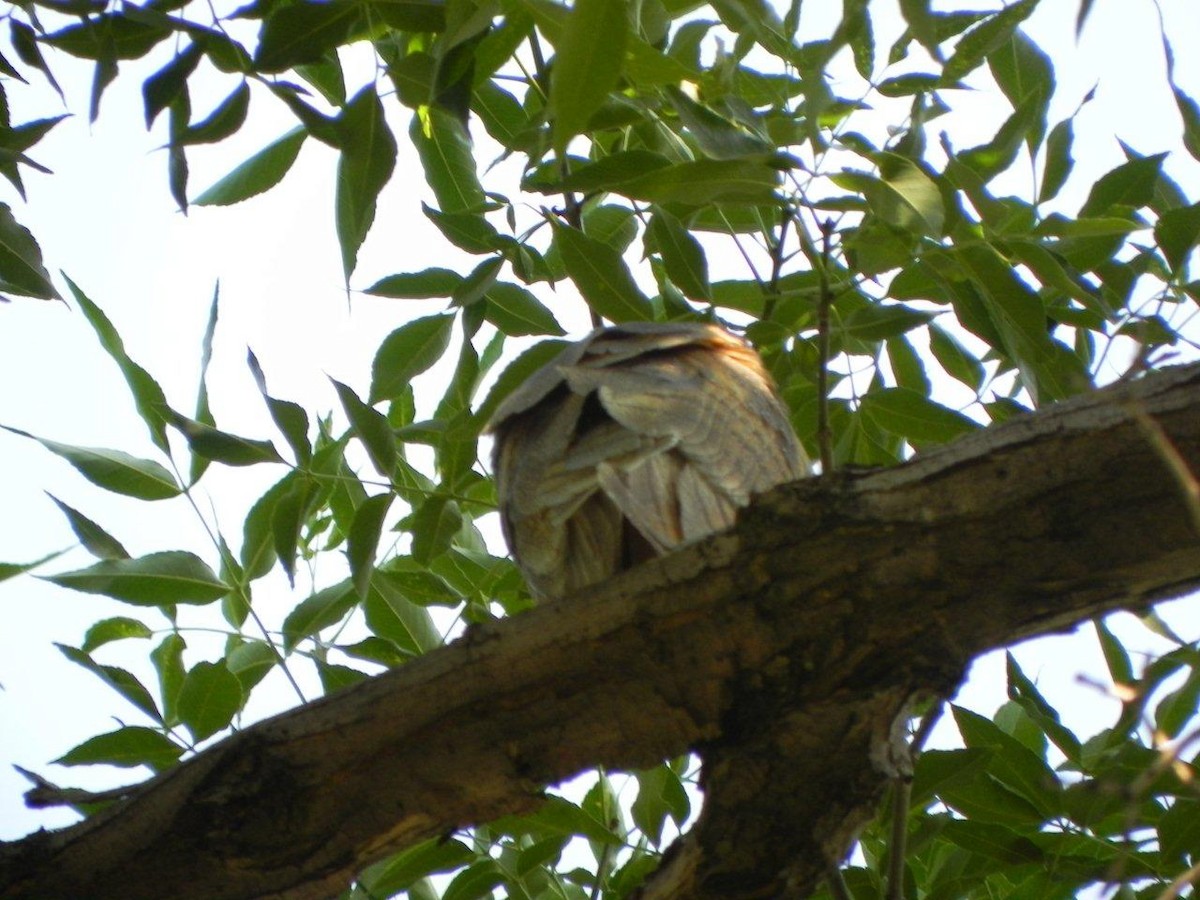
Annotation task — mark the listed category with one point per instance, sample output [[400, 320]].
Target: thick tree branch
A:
[[783, 651]]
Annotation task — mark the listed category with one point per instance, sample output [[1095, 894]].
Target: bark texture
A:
[[783, 651]]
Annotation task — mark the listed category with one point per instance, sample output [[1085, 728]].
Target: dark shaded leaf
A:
[[303, 32], [290, 418], [222, 122], [127, 747], [21, 269], [259, 173], [161, 88], [916, 418], [424, 285], [220, 446], [123, 682]]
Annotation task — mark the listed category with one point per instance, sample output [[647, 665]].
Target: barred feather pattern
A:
[[636, 440]]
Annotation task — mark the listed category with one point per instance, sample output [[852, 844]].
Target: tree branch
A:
[[784, 651]]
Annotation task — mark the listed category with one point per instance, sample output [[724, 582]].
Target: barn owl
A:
[[636, 440]]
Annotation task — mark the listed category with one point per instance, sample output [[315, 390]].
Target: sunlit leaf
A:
[[590, 53], [367, 159], [601, 276], [324, 608]]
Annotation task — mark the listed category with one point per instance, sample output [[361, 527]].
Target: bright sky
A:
[[106, 219]]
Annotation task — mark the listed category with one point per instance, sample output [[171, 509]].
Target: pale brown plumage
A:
[[631, 442]]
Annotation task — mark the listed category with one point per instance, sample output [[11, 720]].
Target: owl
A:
[[636, 440]]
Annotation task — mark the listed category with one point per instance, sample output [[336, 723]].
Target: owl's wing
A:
[[637, 439]]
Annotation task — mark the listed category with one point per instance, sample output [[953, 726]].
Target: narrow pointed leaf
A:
[[392, 615], [158, 579], [147, 395], [682, 255], [363, 540], [367, 160], [21, 269], [259, 173], [113, 470], [123, 682], [444, 147], [430, 283], [94, 539], [223, 447], [117, 628], [290, 418], [601, 277], [370, 427]]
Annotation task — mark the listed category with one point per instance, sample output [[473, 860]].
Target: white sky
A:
[[106, 218]]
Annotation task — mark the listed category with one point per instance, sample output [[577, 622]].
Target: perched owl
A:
[[637, 439]]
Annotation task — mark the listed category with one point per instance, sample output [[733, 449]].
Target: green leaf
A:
[[259, 173], [682, 255], [1059, 161], [985, 38], [210, 697], [604, 174], [444, 147], [167, 658], [21, 269], [290, 418], [250, 662], [366, 163], [161, 88], [516, 373], [1026, 76], [126, 748], [434, 524], [1177, 232], [363, 539], [407, 352], [222, 122], [1179, 831], [401, 871], [911, 199], [705, 181], [1129, 184], [94, 539], [147, 395], [660, 794], [418, 586], [515, 311], [956, 359], [876, 322], [12, 570], [1116, 657], [123, 682], [109, 36], [303, 32], [370, 427], [324, 608], [916, 418], [1013, 764], [393, 615], [220, 446], [424, 285], [907, 366], [468, 231], [1023, 691], [477, 880], [590, 54], [716, 135], [158, 579], [113, 470], [601, 276], [117, 628]]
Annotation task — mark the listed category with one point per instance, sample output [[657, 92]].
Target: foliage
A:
[[899, 298]]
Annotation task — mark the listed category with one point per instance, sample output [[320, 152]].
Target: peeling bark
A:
[[783, 651]]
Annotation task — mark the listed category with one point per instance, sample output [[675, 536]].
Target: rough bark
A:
[[783, 651]]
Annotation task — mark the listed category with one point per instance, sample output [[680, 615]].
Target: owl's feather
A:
[[633, 441]]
